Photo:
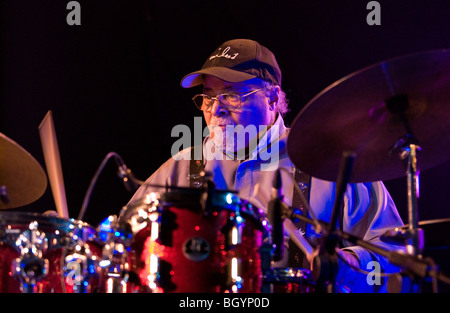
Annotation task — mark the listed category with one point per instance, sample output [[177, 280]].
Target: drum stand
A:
[[326, 262], [414, 267], [410, 264], [407, 148]]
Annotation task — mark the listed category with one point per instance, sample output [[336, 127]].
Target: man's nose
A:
[[218, 109]]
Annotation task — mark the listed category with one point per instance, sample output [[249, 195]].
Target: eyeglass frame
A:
[[240, 95]]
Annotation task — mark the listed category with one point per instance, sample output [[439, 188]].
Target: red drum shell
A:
[[57, 232], [194, 248]]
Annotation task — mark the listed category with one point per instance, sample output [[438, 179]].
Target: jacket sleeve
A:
[[368, 212]]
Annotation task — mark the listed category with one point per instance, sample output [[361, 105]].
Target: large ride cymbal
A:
[[20, 174], [352, 115]]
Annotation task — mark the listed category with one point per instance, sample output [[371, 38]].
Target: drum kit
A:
[[391, 116]]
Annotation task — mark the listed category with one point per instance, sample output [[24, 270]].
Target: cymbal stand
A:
[[420, 268], [407, 148], [326, 262]]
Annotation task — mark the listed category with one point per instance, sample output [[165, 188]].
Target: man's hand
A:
[[347, 263]]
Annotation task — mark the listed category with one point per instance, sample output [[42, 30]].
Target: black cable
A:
[[124, 173], [94, 179]]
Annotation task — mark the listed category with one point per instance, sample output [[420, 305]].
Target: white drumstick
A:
[[53, 163], [297, 237]]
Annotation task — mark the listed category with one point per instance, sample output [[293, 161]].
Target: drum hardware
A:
[[79, 267], [79, 264], [405, 97], [433, 228], [414, 268], [281, 218], [325, 264], [208, 192], [266, 251], [411, 265], [47, 254], [275, 213], [407, 149], [289, 280], [234, 236], [234, 276], [148, 216], [30, 267], [234, 229], [113, 264]]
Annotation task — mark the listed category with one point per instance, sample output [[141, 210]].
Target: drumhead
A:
[[191, 199], [136, 215], [10, 221]]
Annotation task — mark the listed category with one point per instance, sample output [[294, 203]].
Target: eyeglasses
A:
[[229, 101]]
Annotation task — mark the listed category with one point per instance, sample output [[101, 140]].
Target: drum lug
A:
[[234, 281], [79, 262], [115, 267], [29, 268], [234, 230], [114, 256], [79, 267]]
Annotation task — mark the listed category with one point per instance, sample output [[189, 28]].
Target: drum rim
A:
[[254, 212], [287, 274], [24, 218]]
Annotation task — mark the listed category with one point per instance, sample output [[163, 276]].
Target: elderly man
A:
[[243, 106]]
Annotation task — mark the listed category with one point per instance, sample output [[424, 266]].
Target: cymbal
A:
[[352, 115], [22, 176]]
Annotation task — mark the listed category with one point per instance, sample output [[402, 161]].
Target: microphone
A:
[[126, 175], [275, 214]]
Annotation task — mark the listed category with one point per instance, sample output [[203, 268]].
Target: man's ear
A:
[[273, 96]]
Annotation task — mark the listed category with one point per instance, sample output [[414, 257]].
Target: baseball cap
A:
[[235, 61]]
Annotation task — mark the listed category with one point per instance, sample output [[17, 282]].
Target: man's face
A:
[[255, 109]]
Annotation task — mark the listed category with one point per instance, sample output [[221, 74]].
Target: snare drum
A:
[[43, 254], [190, 241]]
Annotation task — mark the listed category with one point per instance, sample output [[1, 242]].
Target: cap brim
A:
[[196, 78]]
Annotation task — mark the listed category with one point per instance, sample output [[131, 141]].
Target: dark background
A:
[[112, 83]]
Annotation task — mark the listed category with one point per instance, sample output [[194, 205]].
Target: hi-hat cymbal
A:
[[352, 115], [21, 176]]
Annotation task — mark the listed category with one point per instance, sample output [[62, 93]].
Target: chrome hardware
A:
[[30, 267], [114, 255], [235, 278], [78, 263], [79, 266]]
